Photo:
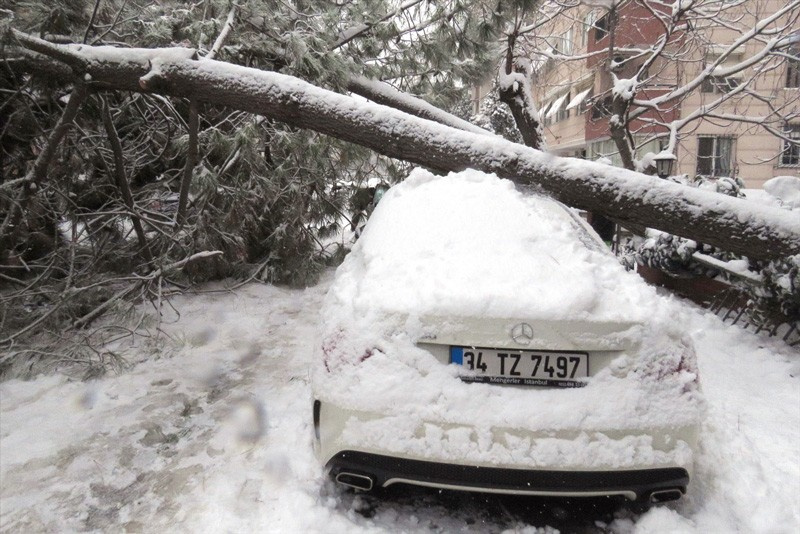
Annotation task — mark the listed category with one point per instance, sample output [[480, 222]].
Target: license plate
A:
[[522, 367]]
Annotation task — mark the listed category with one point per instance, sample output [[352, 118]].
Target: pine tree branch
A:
[[113, 24], [223, 34], [383, 93], [140, 282], [10, 229], [345, 36]]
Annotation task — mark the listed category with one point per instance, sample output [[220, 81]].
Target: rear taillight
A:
[[673, 364], [338, 350]]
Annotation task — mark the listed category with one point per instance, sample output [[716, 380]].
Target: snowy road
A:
[[213, 435]]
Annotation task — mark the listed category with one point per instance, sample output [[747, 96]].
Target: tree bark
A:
[[517, 97], [515, 92], [618, 127], [745, 228], [385, 94]]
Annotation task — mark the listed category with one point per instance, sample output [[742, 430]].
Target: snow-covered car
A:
[[483, 338]]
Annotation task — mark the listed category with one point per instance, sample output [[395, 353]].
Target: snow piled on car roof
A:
[[470, 244]]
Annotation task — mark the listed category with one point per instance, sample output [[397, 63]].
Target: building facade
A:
[[591, 49]]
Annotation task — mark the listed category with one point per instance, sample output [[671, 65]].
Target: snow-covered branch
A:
[[515, 91], [385, 94], [715, 67], [223, 34]]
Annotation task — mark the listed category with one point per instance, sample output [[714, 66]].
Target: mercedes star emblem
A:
[[522, 334]]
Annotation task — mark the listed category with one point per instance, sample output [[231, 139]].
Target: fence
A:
[[727, 301]]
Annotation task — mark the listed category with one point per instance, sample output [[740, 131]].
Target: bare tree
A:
[[651, 57]]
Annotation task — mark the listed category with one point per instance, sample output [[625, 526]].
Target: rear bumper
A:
[[369, 471], [339, 430]]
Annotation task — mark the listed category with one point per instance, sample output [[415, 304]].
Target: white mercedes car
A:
[[481, 338]]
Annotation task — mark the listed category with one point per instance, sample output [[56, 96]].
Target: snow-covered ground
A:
[[212, 433]]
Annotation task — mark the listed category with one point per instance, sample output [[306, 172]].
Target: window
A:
[[563, 43], [719, 84], [722, 60], [579, 100], [714, 156], [544, 114], [791, 150], [793, 70], [563, 112], [556, 111], [566, 40], [585, 103], [605, 149], [601, 108], [600, 28], [588, 22], [608, 149]]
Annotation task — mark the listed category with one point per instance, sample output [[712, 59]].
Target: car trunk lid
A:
[[531, 334]]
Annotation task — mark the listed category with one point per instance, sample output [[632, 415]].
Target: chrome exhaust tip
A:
[[355, 481], [665, 495]]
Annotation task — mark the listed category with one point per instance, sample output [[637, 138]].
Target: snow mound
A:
[[470, 244], [786, 189]]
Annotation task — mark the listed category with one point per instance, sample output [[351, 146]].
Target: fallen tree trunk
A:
[[749, 229]]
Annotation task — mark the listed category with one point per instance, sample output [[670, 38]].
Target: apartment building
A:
[[573, 89]]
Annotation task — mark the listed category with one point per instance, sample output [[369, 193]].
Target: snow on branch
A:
[[223, 34], [385, 94], [515, 91], [715, 67]]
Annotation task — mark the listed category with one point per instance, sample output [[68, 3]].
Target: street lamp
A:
[[664, 161]]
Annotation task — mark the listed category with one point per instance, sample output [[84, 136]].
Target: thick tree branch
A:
[[514, 91], [21, 60], [385, 94], [65, 54], [223, 34], [516, 95]]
